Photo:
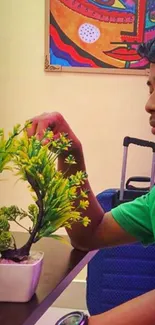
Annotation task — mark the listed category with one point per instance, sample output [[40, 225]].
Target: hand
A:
[[56, 122]]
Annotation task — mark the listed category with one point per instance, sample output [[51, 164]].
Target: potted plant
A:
[[58, 202]]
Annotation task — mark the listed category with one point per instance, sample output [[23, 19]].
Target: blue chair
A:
[[116, 275]]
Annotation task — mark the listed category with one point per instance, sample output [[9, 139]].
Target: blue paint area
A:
[[150, 5], [59, 57], [58, 61], [128, 6], [127, 65], [149, 24], [128, 9]]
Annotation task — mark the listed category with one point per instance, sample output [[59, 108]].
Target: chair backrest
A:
[[116, 275]]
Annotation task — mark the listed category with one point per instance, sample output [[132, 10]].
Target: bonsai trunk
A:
[[22, 253]]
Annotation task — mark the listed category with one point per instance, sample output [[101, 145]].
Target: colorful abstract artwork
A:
[[86, 35]]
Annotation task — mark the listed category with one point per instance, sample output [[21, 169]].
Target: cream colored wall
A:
[[101, 109]]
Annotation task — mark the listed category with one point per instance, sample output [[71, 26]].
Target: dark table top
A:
[[61, 265]]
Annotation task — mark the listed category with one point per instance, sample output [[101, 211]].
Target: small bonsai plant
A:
[[58, 198]]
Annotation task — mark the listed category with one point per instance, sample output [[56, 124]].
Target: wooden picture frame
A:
[[50, 67]]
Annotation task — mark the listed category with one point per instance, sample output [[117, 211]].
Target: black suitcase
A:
[[130, 192]]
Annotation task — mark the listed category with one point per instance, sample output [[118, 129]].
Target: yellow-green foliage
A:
[[63, 197]]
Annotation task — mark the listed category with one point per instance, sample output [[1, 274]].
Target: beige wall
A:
[[102, 109]]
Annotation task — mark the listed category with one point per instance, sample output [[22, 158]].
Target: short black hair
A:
[[147, 50]]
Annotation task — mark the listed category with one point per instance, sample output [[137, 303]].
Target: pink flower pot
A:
[[18, 281]]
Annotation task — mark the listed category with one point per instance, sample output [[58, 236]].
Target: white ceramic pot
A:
[[18, 282]]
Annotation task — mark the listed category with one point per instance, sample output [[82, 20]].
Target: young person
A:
[[127, 223]]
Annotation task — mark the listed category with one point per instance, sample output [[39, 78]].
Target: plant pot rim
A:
[[26, 264]]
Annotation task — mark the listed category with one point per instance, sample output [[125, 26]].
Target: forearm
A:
[[81, 236], [139, 311]]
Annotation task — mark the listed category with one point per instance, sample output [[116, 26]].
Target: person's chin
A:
[[152, 123], [153, 130]]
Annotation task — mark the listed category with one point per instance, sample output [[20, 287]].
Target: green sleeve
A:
[[136, 217]]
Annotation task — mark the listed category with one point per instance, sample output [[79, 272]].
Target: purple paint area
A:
[[140, 64]]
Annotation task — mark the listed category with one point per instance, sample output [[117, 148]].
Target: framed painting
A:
[[100, 36]]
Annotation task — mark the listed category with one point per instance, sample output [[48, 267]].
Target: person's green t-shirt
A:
[[138, 217]]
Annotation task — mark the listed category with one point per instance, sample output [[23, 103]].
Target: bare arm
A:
[[138, 311]]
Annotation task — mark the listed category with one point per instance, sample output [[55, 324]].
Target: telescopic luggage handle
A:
[[139, 179], [144, 143]]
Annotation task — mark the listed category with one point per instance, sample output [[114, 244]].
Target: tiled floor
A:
[[52, 315]]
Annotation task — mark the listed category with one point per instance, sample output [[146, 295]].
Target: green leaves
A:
[[78, 179], [86, 221], [8, 147], [5, 235], [12, 213], [84, 204], [5, 240], [4, 224], [33, 213], [58, 199], [70, 160], [62, 143]]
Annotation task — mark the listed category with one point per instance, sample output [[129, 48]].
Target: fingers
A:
[[41, 127], [51, 121], [39, 124], [44, 125], [56, 136], [45, 141], [31, 129]]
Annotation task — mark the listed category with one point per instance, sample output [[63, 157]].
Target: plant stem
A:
[[14, 242], [39, 203], [21, 225]]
